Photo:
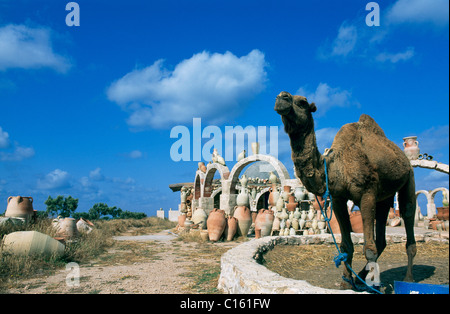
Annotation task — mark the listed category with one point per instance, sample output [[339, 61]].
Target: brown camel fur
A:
[[362, 166]]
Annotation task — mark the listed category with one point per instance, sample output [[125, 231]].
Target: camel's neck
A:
[[308, 161]]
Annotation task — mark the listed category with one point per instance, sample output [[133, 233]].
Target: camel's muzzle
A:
[[283, 104]]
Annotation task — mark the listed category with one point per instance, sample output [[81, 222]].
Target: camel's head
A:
[[295, 112]]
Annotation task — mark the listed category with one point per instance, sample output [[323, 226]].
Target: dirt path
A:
[[156, 263]]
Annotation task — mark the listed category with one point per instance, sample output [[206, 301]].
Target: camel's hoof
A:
[[346, 284], [408, 278]]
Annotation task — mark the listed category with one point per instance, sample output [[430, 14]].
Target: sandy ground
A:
[[161, 271]]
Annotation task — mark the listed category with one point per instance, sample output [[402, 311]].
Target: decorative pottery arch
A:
[[211, 170], [240, 165], [431, 206], [254, 202]]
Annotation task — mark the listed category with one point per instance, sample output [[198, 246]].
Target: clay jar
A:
[[181, 220], [442, 213], [216, 224], [20, 207], [356, 221], [67, 228], [264, 222], [274, 195], [411, 147], [199, 217], [244, 217], [292, 204], [231, 229], [286, 193]]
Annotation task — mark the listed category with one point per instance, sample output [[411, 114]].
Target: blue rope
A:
[[340, 257]]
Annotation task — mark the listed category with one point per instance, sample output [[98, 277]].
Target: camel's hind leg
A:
[[407, 205]]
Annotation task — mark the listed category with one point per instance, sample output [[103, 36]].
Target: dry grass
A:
[[88, 247]]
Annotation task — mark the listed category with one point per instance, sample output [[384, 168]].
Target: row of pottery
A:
[[20, 207], [31, 243]]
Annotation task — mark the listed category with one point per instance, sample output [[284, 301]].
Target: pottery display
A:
[[231, 229], [20, 207], [216, 224], [199, 217], [31, 243], [264, 222], [243, 215], [411, 147]]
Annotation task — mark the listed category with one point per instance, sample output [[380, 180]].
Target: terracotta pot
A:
[[316, 205], [216, 224], [84, 225], [334, 223], [436, 223], [20, 207], [356, 221], [231, 229], [67, 228], [292, 203], [391, 213], [244, 217], [274, 195], [276, 224], [181, 220], [264, 222], [442, 213]]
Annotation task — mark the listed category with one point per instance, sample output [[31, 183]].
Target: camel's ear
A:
[[312, 107]]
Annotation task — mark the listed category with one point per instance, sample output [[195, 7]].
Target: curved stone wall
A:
[[242, 274]]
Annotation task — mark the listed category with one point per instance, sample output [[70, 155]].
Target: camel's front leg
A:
[[368, 206], [341, 212]]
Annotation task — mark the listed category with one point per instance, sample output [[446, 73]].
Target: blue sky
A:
[[87, 110]]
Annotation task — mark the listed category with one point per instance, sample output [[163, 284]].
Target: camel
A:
[[364, 166]]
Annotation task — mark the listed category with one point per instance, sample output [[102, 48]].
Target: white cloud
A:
[[327, 97], [54, 180], [135, 154], [19, 153], [396, 57], [213, 87], [28, 48], [96, 175], [419, 11], [4, 139], [345, 41]]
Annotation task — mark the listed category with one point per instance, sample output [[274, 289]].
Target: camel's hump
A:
[[366, 122]]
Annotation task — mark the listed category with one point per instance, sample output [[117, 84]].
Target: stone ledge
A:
[[242, 274]]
